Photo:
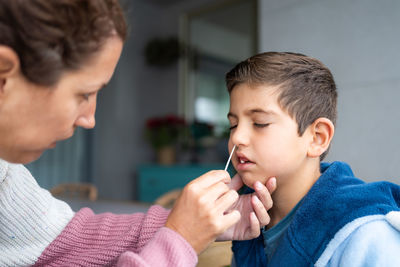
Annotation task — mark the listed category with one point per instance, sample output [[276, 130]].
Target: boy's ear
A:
[[322, 131], [9, 64]]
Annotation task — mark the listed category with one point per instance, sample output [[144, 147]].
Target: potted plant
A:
[[163, 134]]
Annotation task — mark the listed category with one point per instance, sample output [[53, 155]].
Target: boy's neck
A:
[[292, 190]]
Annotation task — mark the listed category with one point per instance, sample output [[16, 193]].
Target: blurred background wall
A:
[[138, 92], [358, 40]]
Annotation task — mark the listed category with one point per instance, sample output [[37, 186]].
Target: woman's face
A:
[[34, 118]]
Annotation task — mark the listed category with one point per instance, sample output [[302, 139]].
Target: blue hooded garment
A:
[[335, 201]]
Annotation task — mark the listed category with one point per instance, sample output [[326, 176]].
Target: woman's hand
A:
[[253, 209], [204, 209]]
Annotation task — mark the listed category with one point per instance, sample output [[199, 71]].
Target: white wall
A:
[[213, 39], [359, 41]]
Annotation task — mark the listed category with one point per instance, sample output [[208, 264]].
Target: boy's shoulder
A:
[[338, 197], [336, 200], [373, 240], [341, 190], [337, 181]]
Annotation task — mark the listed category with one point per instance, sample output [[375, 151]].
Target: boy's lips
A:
[[243, 163]]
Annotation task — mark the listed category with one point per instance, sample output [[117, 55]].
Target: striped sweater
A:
[[37, 229]]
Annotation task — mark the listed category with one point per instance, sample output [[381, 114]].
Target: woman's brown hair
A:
[[53, 36]]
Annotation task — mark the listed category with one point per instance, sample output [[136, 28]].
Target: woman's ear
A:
[[9, 64], [322, 131]]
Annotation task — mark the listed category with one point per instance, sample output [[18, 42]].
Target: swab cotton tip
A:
[[230, 156]]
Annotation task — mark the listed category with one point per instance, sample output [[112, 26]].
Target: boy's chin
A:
[[250, 180], [250, 185]]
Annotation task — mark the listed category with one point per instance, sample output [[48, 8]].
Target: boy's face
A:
[[266, 137]]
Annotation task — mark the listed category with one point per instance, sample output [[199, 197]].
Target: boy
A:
[[282, 116]]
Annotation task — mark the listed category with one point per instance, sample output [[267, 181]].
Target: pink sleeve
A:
[[98, 240], [165, 249]]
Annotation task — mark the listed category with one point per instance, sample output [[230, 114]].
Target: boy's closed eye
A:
[[233, 122], [232, 127], [261, 125], [258, 125]]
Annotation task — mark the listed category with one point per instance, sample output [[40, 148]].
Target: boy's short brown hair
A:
[[53, 36], [307, 88]]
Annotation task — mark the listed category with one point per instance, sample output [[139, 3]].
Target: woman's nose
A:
[[87, 118], [87, 122]]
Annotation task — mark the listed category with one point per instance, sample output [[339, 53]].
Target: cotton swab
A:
[[230, 156]]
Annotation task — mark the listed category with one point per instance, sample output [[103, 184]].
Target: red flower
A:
[[163, 131]]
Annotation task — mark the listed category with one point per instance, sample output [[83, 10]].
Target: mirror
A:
[[216, 38]]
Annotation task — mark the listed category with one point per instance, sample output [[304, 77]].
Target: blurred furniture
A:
[[218, 254], [104, 205], [155, 180], [168, 199], [81, 195], [75, 190]]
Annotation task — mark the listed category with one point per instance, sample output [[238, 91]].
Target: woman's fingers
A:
[[236, 182], [216, 190], [231, 218], [264, 192], [212, 177], [262, 200], [254, 225], [199, 214], [271, 184], [260, 210], [227, 200]]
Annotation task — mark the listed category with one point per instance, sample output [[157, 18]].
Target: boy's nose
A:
[[239, 136]]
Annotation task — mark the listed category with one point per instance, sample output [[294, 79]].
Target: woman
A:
[[54, 58]]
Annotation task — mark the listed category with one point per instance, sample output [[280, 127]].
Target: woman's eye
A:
[[86, 96], [261, 125]]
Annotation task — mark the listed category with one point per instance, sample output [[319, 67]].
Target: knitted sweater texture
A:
[[37, 229]]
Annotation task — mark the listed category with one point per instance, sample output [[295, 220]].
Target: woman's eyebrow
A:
[[96, 86]]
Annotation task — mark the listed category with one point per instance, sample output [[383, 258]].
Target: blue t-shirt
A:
[[273, 236]]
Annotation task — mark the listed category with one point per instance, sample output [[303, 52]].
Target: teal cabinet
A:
[[155, 180]]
